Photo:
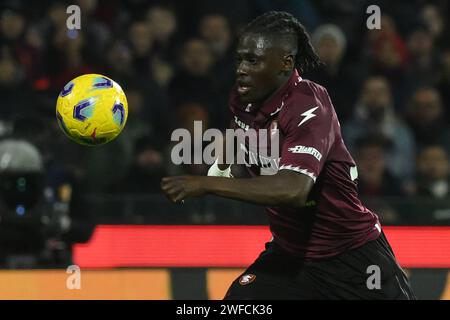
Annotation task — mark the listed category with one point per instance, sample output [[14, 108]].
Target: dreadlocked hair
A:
[[283, 24]]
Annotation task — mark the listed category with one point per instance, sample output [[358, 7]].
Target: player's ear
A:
[[288, 62]]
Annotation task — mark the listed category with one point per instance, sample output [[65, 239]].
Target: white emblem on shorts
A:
[[247, 279]]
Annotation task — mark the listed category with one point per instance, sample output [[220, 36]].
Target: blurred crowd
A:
[[175, 62]]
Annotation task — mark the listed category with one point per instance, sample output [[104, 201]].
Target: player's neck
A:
[[281, 83]]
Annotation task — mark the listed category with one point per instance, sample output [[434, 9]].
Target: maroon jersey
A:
[[334, 219]]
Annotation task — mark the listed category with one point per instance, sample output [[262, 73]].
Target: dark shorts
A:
[[350, 275]]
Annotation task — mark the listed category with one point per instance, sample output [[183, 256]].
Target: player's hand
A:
[[179, 188]]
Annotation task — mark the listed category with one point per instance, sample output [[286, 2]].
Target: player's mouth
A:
[[243, 88]]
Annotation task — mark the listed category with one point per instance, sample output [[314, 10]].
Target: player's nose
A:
[[241, 70]]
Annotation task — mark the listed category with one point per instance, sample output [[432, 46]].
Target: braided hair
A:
[[284, 25]]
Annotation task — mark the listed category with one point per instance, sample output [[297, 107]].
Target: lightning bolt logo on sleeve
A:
[[307, 115]]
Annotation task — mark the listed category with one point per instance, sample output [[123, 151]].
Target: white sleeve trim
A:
[[214, 171], [299, 170]]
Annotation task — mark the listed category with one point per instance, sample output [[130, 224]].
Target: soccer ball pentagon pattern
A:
[[92, 109]]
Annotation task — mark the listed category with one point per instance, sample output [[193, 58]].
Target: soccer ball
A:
[[92, 109]]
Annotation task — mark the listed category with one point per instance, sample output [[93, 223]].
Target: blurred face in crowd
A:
[[57, 14], [163, 23], [119, 56], [141, 38], [216, 31], [376, 95], [433, 163], [190, 112], [12, 25], [196, 57], [420, 43], [387, 25], [427, 106], [263, 65], [371, 163], [8, 72], [433, 19], [446, 62], [150, 160], [87, 7], [135, 101], [329, 50], [388, 54]]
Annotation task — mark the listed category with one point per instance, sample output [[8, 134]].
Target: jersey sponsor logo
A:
[[241, 124], [308, 115], [308, 150], [247, 279]]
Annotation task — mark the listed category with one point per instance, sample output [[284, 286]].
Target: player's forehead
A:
[[255, 44]]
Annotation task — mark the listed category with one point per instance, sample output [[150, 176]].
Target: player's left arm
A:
[[284, 189]]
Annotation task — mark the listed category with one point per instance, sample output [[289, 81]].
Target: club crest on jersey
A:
[[247, 279]]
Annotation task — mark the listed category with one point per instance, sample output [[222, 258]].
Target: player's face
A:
[[261, 68]]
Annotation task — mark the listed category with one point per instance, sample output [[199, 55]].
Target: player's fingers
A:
[[180, 197], [174, 178], [165, 182], [171, 191], [174, 192], [166, 185]]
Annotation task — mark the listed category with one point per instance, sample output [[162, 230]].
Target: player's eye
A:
[[253, 61]]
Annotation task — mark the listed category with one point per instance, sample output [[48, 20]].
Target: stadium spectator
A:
[[304, 10], [388, 56], [15, 94], [148, 168], [423, 65], [375, 180], [194, 80], [163, 23], [141, 39], [443, 82], [337, 75], [216, 31], [426, 116], [433, 172], [374, 114], [376, 185], [20, 43], [187, 114], [431, 15], [119, 62]]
